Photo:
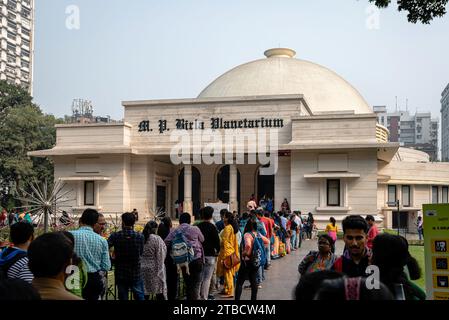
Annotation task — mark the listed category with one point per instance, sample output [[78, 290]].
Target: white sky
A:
[[145, 49]]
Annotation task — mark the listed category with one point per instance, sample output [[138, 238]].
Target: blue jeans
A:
[[293, 240], [260, 275], [206, 276], [420, 234], [298, 239], [268, 254], [136, 288]]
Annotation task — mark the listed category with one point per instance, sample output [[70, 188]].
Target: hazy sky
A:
[[144, 49]]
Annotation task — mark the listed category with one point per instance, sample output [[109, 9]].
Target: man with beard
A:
[[355, 258]]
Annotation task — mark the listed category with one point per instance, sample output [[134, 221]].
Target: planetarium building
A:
[[279, 126]]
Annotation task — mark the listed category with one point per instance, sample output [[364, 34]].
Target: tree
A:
[[12, 96], [23, 128], [418, 10]]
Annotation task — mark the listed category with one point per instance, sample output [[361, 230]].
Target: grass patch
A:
[[418, 253]]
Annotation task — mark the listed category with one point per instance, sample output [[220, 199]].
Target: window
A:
[[11, 35], [26, 43], [434, 194], [12, 16], [89, 193], [25, 53], [445, 194], [26, 13], [26, 32], [406, 196], [12, 5], [333, 193], [25, 64], [11, 59], [12, 25], [11, 48], [391, 196], [10, 71]]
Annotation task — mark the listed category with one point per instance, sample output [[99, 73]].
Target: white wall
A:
[[362, 192], [112, 197]]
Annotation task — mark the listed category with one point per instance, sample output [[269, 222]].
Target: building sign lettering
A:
[[215, 124]]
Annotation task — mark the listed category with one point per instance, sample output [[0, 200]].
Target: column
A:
[[97, 194], [80, 194], [188, 205], [233, 205]]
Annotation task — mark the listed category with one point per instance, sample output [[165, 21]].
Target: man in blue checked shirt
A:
[[94, 251]]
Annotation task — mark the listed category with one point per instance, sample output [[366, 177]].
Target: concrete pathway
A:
[[282, 278]]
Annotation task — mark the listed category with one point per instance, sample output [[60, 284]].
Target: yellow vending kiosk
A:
[[436, 242]]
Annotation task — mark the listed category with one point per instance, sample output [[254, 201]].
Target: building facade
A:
[[327, 153], [17, 42], [445, 124], [418, 131]]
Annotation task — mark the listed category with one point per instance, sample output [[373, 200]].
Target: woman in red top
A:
[[3, 217], [372, 232]]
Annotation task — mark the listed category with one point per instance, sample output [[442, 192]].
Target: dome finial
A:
[[280, 52]]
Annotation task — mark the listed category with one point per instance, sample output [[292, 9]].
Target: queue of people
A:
[[200, 260]]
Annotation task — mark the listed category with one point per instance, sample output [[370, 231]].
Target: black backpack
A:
[[293, 225], [8, 257]]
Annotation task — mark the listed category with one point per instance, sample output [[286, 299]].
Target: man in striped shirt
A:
[[14, 260], [94, 251]]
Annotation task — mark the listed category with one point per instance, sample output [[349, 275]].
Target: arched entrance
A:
[[223, 184], [196, 190], [265, 185]]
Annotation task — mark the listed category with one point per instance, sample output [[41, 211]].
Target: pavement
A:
[[281, 279]]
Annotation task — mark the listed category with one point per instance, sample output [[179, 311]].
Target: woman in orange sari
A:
[[229, 247]]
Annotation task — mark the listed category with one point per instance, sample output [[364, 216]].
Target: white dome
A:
[[411, 155], [281, 73]]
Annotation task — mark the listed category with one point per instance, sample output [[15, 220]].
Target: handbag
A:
[[231, 261]]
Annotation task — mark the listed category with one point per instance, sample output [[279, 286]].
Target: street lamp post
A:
[[399, 215]]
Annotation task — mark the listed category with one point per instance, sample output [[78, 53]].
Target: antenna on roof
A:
[[406, 104], [396, 103]]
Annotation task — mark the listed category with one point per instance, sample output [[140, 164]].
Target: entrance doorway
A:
[[265, 185], [161, 198], [196, 190], [223, 185], [401, 218]]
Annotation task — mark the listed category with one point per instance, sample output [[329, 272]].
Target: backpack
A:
[[8, 258], [258, 257], [181, 252], [293, 225]]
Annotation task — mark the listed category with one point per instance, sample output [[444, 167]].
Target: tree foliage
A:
[[23, 128], [418, 10], [12, 96]]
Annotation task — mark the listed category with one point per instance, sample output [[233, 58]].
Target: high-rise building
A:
[[418, 131], [445, 124], [17, 42]]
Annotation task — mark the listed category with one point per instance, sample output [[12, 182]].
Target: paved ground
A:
[[282, 278]]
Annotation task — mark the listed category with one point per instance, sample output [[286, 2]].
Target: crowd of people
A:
[[324, 276], [206, 259], [14, 216]]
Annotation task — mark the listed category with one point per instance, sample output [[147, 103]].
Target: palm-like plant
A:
[[45, 200], [158, 215]]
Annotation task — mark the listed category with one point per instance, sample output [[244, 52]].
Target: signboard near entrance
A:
[[217, 208], [436, 241]]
